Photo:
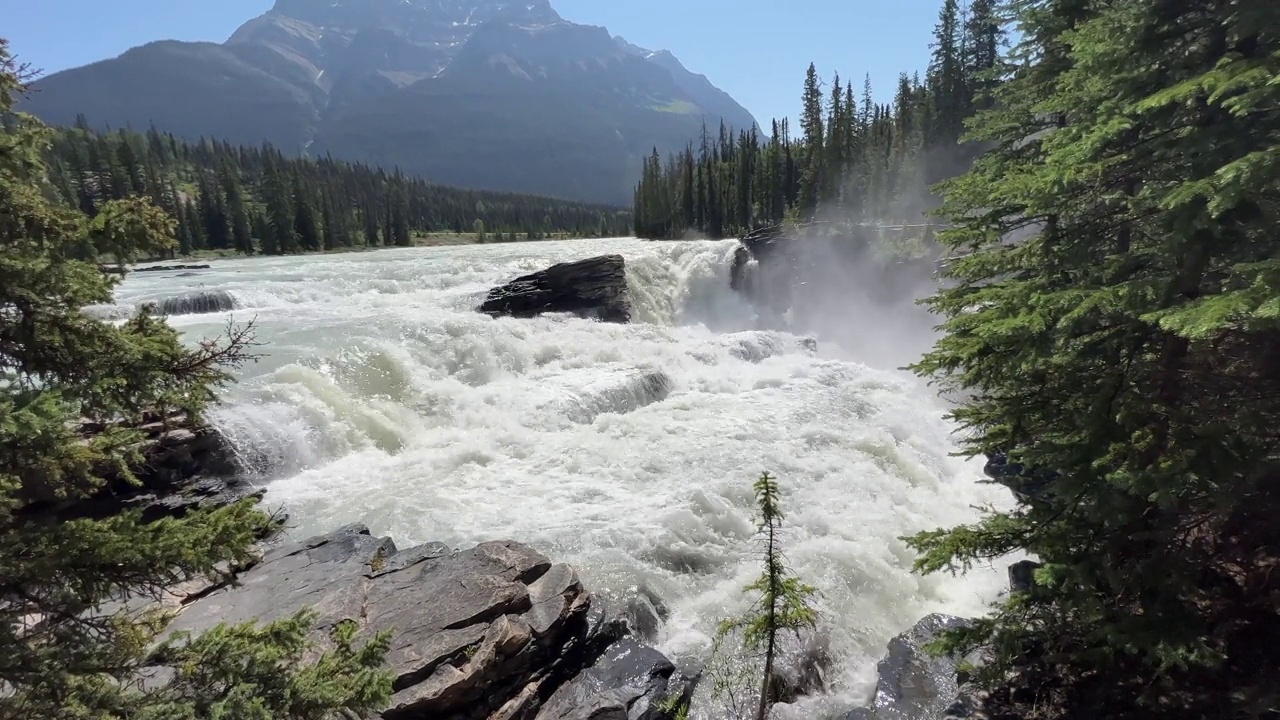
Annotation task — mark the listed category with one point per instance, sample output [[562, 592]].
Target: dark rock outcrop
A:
[[182, 465], [631, 681], [494, 632], [913, 684], [198, 303], [1022, 576], [170, 268], [594, 288], [1028, 485]]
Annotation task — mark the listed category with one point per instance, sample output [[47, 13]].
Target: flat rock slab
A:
[[594, 288], [471, 629]]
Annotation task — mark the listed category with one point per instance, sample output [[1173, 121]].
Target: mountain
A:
[[490, 94]]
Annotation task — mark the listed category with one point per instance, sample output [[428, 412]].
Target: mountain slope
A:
[[481, 93]]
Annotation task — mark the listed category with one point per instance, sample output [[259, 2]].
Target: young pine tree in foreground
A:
[[63, 654], [785, 603], [1114, 325]]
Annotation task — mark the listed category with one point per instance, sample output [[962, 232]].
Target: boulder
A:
[[496, 632], [803, 665], [198, 303], [631, 681], [1022, 576], [594, 288], [914, 685]]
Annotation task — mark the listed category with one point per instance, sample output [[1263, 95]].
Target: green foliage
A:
[[785, 603], [674, 707], [245, 672], [1111, 317], [70, 389]]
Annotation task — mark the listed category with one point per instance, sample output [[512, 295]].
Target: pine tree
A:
[[1117, 361], [213, 214], [984, 35], [130, 165], [186, 242], [329, 222], [785, 603], [811, 183], [280, 209], [63, 652], [241, 231], [305, 223], [946, 73], [398, 215]]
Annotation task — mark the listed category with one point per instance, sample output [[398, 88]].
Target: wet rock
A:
[[914, 685], [1022, 576], [171, 268], [199, 303], [806, 658], [618, 393], [740, 272], [631, 681], [594, 288], [643, 617]]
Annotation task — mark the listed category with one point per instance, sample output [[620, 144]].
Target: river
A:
[[628, 451]]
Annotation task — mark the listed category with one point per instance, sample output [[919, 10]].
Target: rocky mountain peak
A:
[[493, 94], [414, 14]]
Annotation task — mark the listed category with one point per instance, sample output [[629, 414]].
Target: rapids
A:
[[628, 451]]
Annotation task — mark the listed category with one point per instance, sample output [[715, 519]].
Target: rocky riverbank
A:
[[494, 632]]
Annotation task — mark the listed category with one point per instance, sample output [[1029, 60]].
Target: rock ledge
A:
[[495, 632]]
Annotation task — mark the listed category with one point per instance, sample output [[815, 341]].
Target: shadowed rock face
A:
[[594, 288], [915, 685], [496, 631], [184, 465], [629, 681]]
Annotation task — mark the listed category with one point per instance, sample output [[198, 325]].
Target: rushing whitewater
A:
[[628, 451]]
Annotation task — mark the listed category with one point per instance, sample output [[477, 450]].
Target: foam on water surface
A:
[[628, 451]]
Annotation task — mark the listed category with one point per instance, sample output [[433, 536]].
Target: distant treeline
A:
[[257, 200], [854, 159]]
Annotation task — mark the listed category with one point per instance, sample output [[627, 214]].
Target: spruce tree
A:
[[64, 376], [785, 604], [811, 123], [329, 222], [946, 73], [305, 223], [241, 231], [1112, 326], [280, 208]]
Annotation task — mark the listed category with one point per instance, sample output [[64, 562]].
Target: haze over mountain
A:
[[481, 93]]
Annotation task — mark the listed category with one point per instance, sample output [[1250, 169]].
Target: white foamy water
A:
[[628, 451]]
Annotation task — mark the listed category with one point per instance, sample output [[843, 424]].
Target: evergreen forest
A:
[[253, 200], [852, 159], [1103, 174]]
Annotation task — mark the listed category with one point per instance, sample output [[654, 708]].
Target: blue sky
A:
[[756, 50]]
